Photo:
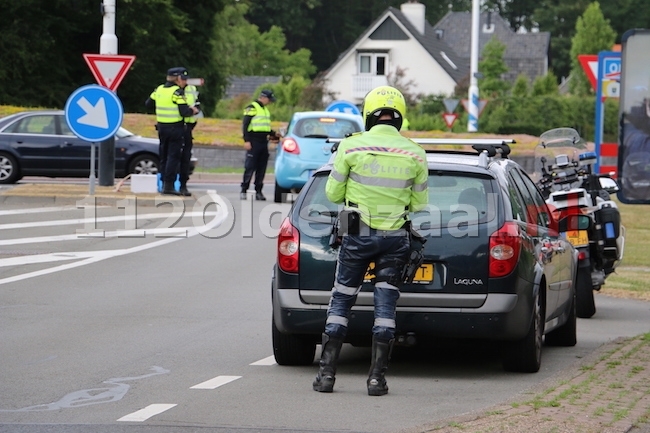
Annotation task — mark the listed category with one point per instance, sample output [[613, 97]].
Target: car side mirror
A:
[[574, 222]]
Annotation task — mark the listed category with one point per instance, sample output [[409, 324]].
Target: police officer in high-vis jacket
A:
[[192, 98], [171, 107], [380, 176], [256, 128]]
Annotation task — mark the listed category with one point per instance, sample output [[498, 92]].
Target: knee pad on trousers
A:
[[391, 275]]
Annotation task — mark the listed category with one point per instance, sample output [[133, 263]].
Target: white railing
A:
[[362, 84]]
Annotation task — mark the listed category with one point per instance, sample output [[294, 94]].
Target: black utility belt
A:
[[171, 125]]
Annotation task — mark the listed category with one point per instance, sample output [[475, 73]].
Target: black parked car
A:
[[39, 143], [495, 267]]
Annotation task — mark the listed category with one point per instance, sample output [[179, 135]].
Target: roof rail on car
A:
[[493, 146]]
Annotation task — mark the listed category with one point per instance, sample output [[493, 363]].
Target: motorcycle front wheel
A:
[[585, 303]]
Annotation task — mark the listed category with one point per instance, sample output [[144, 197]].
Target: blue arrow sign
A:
[[343, 107], [93, 113]]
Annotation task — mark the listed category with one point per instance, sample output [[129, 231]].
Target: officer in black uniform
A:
[[171, 107], [256, 127]]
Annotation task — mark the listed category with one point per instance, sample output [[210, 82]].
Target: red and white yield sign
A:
[[450, 119], [109, 69]]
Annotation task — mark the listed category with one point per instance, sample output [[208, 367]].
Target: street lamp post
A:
[[472, 121]]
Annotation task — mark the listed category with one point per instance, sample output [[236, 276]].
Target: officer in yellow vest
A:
[[256, 127], [192, 98], [380, 176], [171, 107]]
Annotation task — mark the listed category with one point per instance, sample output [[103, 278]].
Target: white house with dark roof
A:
[[526, 53], [397, 39], [436, 58]]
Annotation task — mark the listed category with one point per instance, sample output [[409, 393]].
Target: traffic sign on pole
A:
[[608, 74], [589, 64], [343, 107], [109, 70], [450, 119], [93, 113], [481, 105]]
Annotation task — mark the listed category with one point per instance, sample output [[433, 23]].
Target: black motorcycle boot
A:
[[184, 191], [324, 381], [168, 189], [381, 351]]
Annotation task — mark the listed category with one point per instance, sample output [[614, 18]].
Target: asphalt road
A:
[[157, 319]]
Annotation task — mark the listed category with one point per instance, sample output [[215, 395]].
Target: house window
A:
[[373, 63]]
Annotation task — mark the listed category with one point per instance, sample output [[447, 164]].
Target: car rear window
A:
[[325, 127], [454, 199]]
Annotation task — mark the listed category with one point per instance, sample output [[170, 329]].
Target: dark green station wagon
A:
[[495, 266]]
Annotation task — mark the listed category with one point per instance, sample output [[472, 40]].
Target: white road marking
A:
[[269, 360], [215, 382], [42, 210], [147, 216], [147, 412], [90, 257]]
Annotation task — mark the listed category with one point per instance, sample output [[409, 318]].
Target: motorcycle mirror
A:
[[574, 222], [608, 184]]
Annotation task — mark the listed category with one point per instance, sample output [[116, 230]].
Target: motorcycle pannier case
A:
[[608, 224]]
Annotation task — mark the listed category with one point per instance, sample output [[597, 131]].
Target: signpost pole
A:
[[91, 179], [107, 45]]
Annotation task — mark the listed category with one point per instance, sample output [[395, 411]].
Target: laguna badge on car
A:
[[468, 281]]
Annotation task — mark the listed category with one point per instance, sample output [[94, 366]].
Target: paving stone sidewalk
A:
[[609, 392]]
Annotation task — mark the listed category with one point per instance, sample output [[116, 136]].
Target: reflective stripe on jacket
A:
[[167, 100], [383, 173], [261, 117], [191, 96]]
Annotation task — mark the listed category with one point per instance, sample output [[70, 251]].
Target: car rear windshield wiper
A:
[[330, 213], [316, 136]]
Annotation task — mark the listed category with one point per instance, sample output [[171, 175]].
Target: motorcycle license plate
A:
[[577, 237], [424, 275]]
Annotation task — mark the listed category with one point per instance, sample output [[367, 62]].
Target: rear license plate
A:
[[577, 238], [424, 275]]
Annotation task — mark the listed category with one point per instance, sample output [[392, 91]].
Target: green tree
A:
[[323, 28], [242, 50], [41, 50], [520, 88], [545, 85], [43, 42], [493, 67], [559, 18], [624, 15], [593, 34], [518, 13]]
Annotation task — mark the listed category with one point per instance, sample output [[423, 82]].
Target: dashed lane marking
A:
[[215, 382], [147, 412], [269, 360]]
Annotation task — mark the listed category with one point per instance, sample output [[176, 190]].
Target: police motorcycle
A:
[[564, 174]]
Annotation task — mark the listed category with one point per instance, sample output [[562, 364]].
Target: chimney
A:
[[414, 11]]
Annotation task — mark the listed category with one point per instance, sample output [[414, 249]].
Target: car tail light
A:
[[288, 247], [290, 145], [505, 244]]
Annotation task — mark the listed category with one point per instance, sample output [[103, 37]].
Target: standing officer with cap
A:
[[380, 176], [257, 131], [192, 98], [171, 107]]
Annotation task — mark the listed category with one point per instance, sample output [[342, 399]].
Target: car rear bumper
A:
[[293, 174], [501, 317]]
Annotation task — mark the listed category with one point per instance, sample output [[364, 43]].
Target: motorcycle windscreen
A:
[[634, 115]]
